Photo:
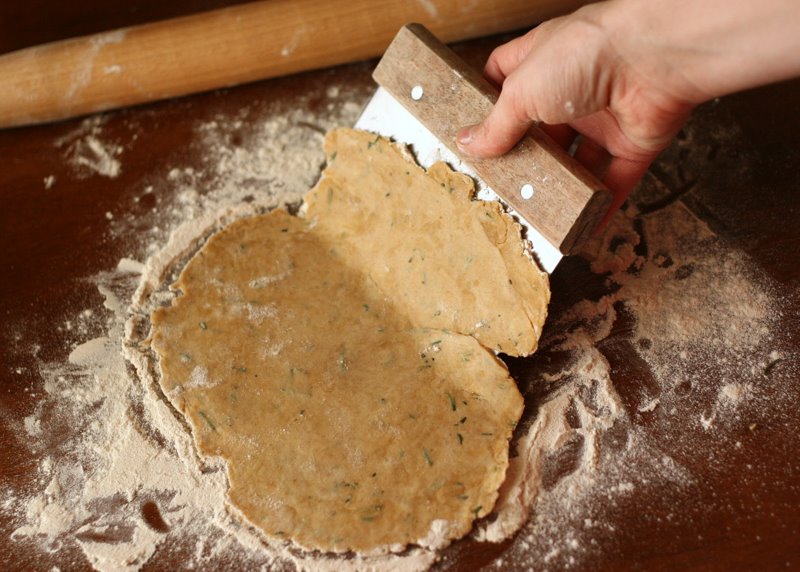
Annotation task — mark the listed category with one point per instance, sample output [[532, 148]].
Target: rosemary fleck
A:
[[207, 419]]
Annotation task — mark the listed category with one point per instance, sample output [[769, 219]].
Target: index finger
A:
[[507, 57]]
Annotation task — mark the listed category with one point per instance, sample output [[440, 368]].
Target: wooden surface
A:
[[455, 95], [226, 47], [742, 510]]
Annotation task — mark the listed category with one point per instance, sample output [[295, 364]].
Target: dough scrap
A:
[[336, 364]]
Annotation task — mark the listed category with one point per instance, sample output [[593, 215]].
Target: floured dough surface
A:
[[349, 389], [460, 262]]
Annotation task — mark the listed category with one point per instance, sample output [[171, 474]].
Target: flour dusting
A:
[[681, 299], [129, 479], [87, 151], [118, 475]]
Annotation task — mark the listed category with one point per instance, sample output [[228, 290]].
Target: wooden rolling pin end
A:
[[227, 47]]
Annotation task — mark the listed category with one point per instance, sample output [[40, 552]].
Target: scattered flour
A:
[[128, 479], [731, 394], [585, 452], [199, 378], [680, 299], [33, 426], [88, 153], [263, 281]]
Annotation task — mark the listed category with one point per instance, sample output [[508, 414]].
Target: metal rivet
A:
[[526, 191], [416, 92]]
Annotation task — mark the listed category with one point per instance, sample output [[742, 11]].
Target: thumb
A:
[[506, 123]]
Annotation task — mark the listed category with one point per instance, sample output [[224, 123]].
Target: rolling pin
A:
[[231, 46]]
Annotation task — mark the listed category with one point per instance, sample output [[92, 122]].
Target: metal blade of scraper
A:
[[427, 93], [386, 116]]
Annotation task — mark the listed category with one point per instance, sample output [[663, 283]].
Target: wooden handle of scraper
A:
[[230, 46], [538, 179]]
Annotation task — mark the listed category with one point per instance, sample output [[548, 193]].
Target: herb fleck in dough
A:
[[341, 361]]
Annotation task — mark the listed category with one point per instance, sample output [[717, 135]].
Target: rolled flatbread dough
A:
[[340, 363], [445, 261]]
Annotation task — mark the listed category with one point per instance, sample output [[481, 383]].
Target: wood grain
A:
[[226, 47], [740, 514], [568, 202]]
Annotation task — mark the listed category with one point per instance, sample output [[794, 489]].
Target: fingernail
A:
[[464, 136]]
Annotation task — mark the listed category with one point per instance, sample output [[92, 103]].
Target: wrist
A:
[[695, 50], [654, 47]]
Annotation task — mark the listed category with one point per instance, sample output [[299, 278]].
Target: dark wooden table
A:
[[742, 511]]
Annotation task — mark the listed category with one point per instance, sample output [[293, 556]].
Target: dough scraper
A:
[[426, 93]]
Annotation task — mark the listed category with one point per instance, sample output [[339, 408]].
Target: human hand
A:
[[574, 76]]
